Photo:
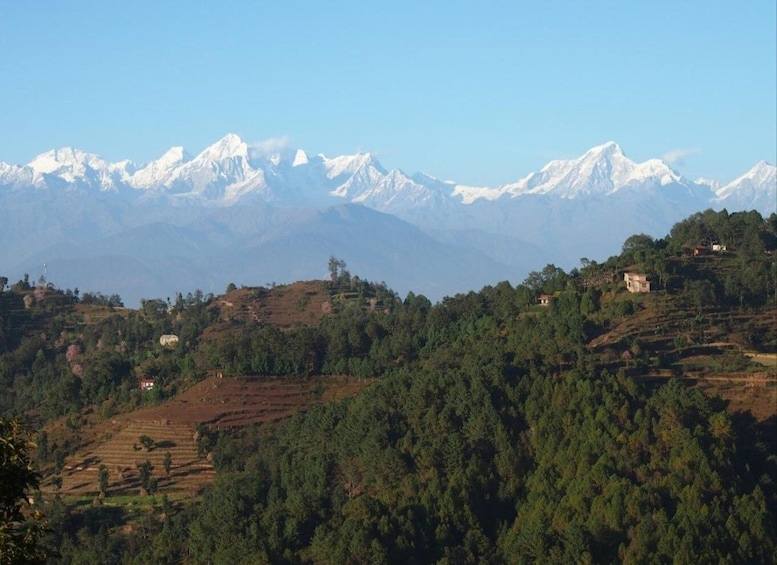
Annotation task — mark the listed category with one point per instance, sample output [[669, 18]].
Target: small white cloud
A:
[[268, 147], [677, 156]]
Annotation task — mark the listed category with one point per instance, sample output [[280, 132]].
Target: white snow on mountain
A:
[[158, 173], [470, 194], [654, 170], [217, 167], [220, 174], [601, 170], [345, 164], [714, 184], [300, 158], [230, 170], [395, 191], [76, 167], [66, 163], [228, 147], [15, 176], [756, 189], [362, 179]]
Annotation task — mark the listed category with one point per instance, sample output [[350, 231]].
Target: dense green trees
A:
[[20, 528], [467, 465], [608, 459]]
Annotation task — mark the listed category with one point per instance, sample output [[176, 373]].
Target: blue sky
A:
[[478, 94]]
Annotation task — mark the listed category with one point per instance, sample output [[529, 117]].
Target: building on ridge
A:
[[636, 282]]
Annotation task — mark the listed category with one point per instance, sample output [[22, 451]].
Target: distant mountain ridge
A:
[[229, 171], [237, 212]]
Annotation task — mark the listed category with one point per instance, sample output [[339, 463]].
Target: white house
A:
[[636, 282], [168, 339]]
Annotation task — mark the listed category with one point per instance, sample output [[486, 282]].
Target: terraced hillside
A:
[[121, 452], [216, 404], [712, 350], [297, 303], [222, 403]]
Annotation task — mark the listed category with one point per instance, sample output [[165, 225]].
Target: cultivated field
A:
[[218, 404]]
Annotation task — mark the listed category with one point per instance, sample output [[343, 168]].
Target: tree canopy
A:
[[21, 527]]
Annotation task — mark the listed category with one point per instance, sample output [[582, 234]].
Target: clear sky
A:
[[481, 94]]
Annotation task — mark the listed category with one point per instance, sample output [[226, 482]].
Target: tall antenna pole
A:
[[45, 278]]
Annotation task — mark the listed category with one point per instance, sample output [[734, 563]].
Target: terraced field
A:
[[120, 451], [216, 403], [223, 403], [703, 364], [283, 306]]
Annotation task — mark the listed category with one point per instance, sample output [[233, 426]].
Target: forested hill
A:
[[496, 429]]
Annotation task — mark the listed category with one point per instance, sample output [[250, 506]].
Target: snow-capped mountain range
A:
[[229, 171], [233, 196], [601, 170]]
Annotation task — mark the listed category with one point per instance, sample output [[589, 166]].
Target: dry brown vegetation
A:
[[282, 306], [217, 403]]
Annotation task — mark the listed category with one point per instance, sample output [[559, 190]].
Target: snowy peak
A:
[[356, 173], [16, 176], [78, 168], [609, 150], [713, 184], [351, 164], [361, 179], [221, 172], [228, 147], [761, 177], [173, 156], [158, 173], [601, 170], [300, 158], [762, 174], [232, 170], [655, 169], [756, 189], [66, 160]]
